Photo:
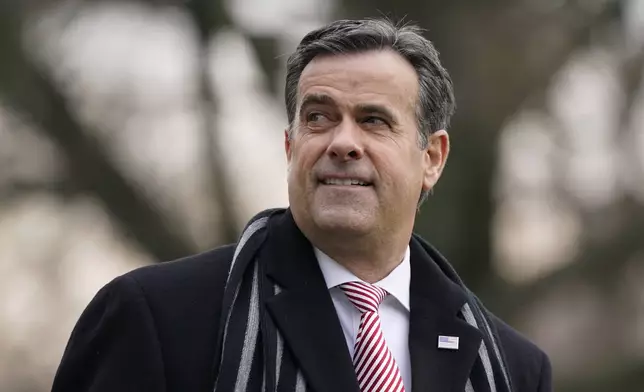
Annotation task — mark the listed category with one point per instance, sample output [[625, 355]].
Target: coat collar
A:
[[305, 315], [436, 302], [303, 311]]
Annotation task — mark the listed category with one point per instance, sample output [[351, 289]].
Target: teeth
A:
[[347, 181]]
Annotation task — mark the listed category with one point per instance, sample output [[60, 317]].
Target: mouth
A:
[[345, 182]]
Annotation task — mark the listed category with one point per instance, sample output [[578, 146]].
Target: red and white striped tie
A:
[[375, 366]]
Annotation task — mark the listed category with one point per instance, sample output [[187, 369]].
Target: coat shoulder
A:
[[186, 274], [185, 301], [153, 328], [189, 289], [529, 366], [186, 287]]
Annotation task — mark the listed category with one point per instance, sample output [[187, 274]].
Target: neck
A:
[[367, 259]]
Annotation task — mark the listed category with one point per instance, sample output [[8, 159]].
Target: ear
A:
[[435, 158], [287, 145]]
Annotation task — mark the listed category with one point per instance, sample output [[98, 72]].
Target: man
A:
[[334, 293]]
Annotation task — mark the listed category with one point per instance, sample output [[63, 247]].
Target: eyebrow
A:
[[319, 99]]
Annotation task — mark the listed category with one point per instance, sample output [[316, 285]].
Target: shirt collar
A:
[[396, 283]]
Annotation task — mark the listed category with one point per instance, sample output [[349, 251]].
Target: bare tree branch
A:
[[10, 190], [266, 50], [600, 261], [632, 75], [209, 17], [33, 94], [490, 92]]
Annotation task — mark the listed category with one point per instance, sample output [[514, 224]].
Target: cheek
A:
[[300, 163], [403, 171], [304, 155]]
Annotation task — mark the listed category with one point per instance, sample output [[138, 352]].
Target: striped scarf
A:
[[251, 356]]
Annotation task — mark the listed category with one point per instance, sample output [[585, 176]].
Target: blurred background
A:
[[135, 132]]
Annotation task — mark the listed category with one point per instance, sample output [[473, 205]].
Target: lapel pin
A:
[[448, 342]]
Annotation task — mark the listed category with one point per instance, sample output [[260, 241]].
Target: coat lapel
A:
[[304, 314], [435, 302], [303, 311]]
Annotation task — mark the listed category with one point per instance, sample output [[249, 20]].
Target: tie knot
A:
[[364, 296]]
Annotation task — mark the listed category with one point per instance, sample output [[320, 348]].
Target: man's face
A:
[[354, 161]]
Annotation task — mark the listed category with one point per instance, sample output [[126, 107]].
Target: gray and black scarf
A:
[[251, 356]]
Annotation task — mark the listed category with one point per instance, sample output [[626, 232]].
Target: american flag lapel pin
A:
[[448, 342]]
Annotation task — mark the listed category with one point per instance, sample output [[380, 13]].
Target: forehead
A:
[[375, 76]]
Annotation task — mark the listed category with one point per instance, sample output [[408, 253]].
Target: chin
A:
[[343, 219]]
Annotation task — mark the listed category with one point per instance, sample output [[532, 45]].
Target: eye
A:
[[315, 117], [317, 120], [376, 121]]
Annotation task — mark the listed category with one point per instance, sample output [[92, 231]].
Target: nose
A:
[[346, 143]]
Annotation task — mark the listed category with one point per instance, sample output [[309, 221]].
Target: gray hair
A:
[[436, 102]]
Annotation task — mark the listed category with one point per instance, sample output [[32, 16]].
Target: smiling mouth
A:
[[344, 182]]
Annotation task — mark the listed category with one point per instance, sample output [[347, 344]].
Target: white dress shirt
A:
[[394, 310]]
